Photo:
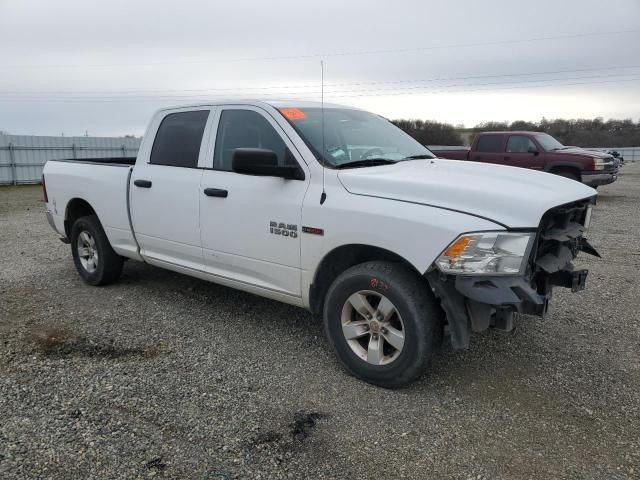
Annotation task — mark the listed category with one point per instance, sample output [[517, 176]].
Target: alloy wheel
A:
[[372, 327], [87, 251]]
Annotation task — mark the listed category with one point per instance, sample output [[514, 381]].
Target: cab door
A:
[[521, 151], [165, 190], [489, 149], [250, 225]]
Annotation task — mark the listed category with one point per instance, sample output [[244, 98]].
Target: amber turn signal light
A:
[[457, 247]]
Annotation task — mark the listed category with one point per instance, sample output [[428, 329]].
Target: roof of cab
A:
[[256, 102]]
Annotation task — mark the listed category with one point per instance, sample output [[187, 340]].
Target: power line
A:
[[360, 90], [475, 77], [372, 93], [283, 87], [332, 54], [420, 87], [636, 79]]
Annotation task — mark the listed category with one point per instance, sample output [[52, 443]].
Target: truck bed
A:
[[452, 153], [112, 161], [104, 184]]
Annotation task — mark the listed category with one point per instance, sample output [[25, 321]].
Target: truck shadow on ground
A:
[[211, 295], [488, 353]]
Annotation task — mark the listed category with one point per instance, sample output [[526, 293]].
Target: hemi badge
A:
[[313, 230]]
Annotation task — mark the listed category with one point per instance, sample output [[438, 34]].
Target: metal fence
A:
[[22, 157], [630, 154]]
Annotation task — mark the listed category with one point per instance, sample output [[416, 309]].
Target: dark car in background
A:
[[538, 151]]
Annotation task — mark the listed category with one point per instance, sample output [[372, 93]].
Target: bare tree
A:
[[430, 132], [581, 132]]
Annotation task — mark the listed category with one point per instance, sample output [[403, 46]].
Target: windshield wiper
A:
[[421, 156], [559, 148], [369, 162]]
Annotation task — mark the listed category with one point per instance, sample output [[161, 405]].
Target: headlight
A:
[[487, 253], [601, 163]]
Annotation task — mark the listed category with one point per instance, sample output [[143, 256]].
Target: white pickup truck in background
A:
[[332, 209]]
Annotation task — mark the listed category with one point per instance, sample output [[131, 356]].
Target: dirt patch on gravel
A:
[[61, 342]]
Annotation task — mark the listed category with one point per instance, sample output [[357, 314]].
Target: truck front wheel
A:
[[95, 260], [383, 322], [573, 175]]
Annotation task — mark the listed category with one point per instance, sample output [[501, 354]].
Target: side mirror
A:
[[534, 151], [264, 163]]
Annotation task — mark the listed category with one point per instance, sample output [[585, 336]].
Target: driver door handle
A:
[[216, 192], [142, 183]]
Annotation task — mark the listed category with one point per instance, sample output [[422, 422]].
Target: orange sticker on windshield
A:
[[293, 114]]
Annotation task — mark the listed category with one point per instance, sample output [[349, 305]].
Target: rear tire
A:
[[395, 344], [96, 262]]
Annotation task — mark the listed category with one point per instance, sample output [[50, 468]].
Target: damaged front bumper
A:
[[473, 303]]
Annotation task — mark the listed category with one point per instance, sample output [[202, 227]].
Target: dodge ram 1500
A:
[[332, 209]]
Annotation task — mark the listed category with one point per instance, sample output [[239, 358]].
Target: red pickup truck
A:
[[539, 151]]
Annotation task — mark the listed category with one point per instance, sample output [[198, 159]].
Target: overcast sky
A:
[[105, 66]]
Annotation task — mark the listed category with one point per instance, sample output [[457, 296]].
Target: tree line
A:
[[579, 132]]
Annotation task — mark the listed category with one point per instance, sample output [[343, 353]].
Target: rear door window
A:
[[490, 143], [178, 140]]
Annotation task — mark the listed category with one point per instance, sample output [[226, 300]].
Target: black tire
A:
[[422, 321], [568, 174], [108, 265]]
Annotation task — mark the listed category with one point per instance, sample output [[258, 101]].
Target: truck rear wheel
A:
[[383, 322], [96, 262]]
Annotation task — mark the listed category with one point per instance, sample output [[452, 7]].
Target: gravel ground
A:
[[167, 376]]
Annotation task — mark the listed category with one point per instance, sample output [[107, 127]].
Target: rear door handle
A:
[[216, 192], [142, 183]]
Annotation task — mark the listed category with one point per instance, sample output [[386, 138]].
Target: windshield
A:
[[353, 136], [548, 142]]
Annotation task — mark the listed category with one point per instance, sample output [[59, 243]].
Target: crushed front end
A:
[[482, 278]]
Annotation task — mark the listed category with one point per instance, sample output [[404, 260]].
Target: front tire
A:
[[568, 174], [96, 262], [383, 323]]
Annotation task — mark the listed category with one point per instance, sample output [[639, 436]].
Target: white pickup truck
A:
[[332, 209]]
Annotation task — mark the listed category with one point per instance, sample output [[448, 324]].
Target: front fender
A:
[[414, 232]]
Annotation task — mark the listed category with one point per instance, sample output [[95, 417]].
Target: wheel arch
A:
[[340, 259], [556, 167], [570, 169], [76, 208]]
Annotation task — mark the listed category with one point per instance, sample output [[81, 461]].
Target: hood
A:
[[583, 152], [511, 196]]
